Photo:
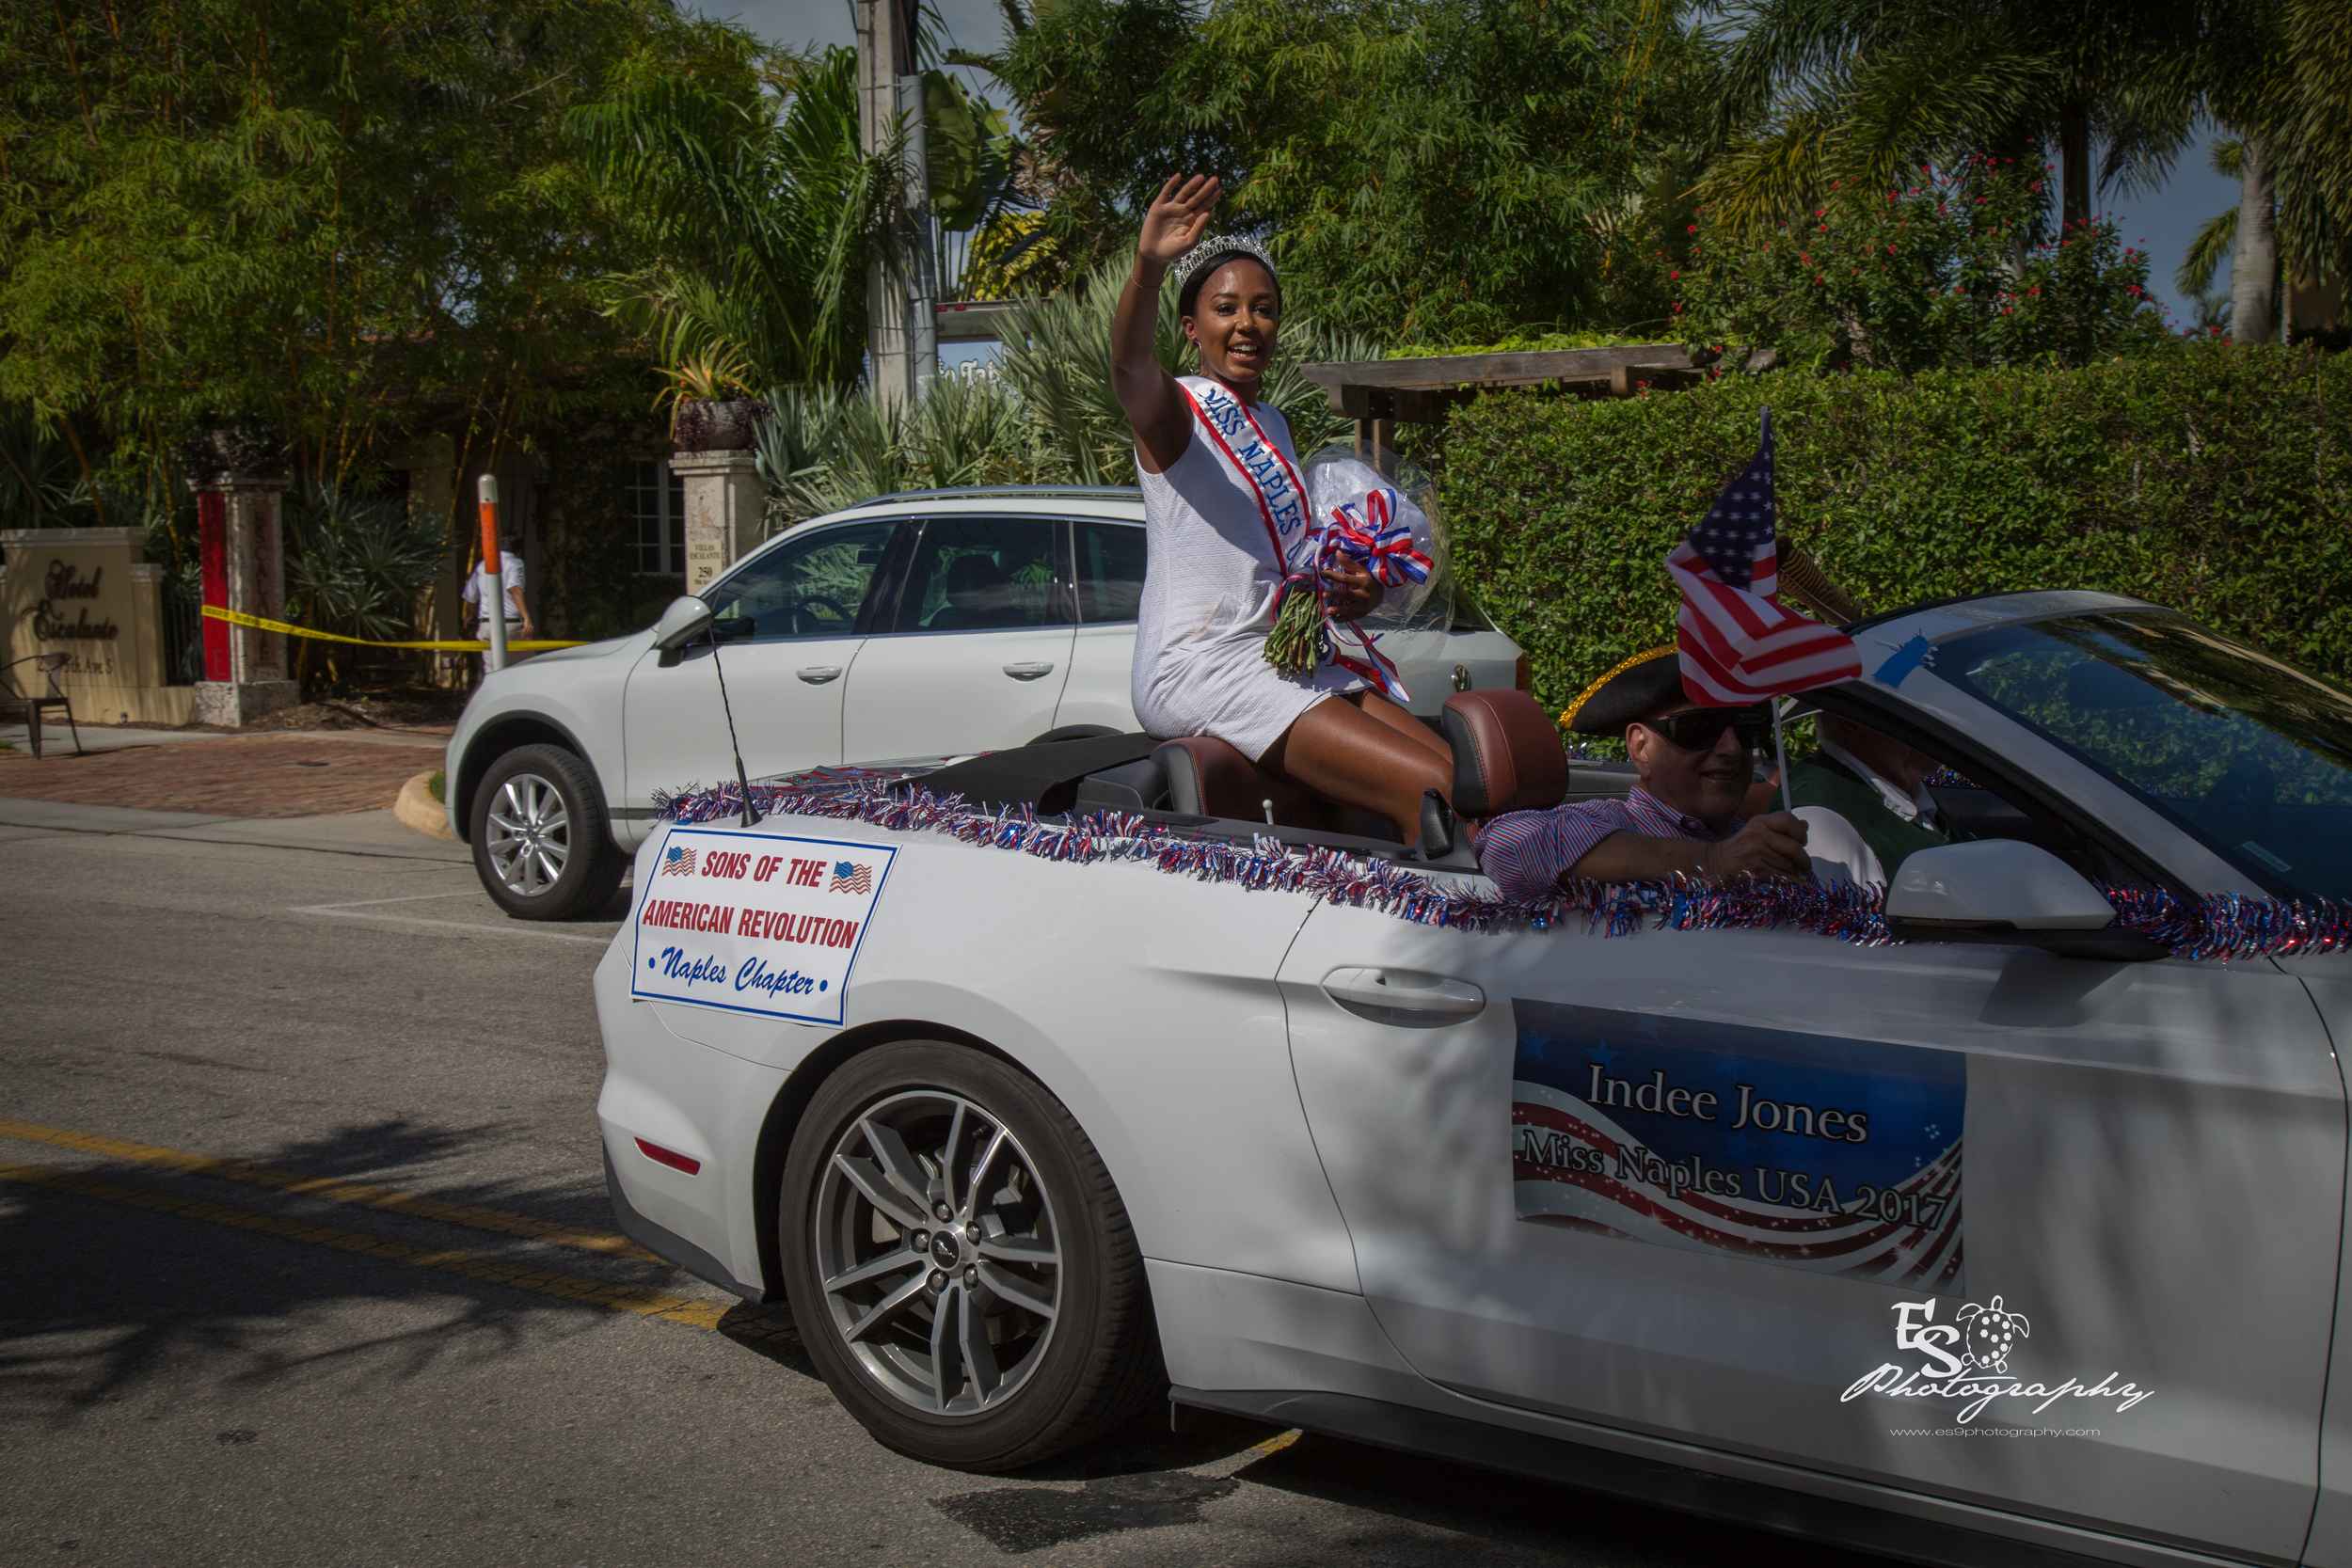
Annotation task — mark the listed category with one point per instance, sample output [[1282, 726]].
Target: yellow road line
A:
[[471, 1215], [546, 1282]]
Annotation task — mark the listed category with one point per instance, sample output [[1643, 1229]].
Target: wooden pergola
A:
[[1380, 394]]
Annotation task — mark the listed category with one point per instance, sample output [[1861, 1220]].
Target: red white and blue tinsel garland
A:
[[2222, 926]]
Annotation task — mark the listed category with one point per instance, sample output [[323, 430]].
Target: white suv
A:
[[929, 624]]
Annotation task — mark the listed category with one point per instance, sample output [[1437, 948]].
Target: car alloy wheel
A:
[[959, 1263], [537, 828], [935, 1246], [528, 836]]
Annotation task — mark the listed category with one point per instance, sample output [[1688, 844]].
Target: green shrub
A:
[[1529, 341], [1938, 273], [2215, 481]]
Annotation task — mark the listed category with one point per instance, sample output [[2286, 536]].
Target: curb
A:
[[418, 809]]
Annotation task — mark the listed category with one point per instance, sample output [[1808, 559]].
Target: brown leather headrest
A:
[[1507, 754]]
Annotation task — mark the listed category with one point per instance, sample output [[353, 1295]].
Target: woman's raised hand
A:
[[1177, 217]]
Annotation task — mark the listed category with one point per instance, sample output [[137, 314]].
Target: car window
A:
[[1110, 570], [808, 587], [2249, 754], [983, 574]]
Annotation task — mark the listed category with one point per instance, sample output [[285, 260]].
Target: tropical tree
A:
[[1823, 90], [2261, 69], [2309, 124], [344, 216], [1830, 89], [759, 209], [1429, 170]]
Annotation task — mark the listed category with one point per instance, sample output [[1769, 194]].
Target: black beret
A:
[[1637, 688]]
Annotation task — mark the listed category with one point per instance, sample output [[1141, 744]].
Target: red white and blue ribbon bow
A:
[[1369, 533]]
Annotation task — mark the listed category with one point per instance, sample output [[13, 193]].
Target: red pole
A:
[[211, 549]]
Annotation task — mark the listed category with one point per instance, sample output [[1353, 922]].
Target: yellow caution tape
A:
[[239, 618]]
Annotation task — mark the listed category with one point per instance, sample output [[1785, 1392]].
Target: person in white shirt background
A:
[[518, 626], [1865, 802]]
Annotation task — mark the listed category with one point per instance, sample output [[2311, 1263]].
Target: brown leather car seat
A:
[[1207, 777], [1507, 754]]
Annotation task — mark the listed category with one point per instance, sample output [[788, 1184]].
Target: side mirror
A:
[[1998, 890], [685, 620]]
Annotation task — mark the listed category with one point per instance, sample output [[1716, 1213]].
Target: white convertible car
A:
[[1061, 1079], [906, 625]]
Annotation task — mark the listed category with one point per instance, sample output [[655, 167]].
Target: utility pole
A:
[[901, 328]]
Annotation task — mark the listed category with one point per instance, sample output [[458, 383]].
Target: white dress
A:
[[1208, 603]]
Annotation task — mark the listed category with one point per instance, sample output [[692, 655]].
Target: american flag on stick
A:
[[1738, 644]]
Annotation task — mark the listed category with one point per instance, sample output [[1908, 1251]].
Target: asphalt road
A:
[[308, 1262]]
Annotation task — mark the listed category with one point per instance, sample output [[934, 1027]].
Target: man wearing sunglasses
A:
[[1695, 763]]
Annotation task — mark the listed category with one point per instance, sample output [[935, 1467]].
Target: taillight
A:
[[1524, 676], [669, 1157]]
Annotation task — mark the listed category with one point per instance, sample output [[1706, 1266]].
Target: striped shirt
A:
[[1527, 852]]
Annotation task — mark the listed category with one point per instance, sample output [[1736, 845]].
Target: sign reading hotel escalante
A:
[[89, 594]]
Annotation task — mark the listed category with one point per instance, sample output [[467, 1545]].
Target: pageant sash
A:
[[1282, 496], [1362, 531]]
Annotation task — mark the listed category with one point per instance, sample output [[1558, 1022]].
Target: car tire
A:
[[1037, 1357], [540, 842]]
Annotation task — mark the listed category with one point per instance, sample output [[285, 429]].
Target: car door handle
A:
[[818, 675], [1028, 672], [1404, 989]]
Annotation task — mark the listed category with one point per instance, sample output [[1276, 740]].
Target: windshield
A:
[[2249, 754]]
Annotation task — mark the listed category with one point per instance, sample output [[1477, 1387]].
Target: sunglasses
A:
[[1699, 729]]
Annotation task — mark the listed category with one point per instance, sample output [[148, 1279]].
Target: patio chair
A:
[[30, 708]]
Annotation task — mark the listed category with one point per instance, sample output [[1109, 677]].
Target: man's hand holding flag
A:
[[1738, 644]]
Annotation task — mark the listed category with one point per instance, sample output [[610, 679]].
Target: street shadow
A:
[[767, 1330], [614, 908], [379, 1152], [1532, 1515], [1139, 1478], [101, 1298]]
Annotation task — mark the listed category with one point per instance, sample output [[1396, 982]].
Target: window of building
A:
[[657, 498]]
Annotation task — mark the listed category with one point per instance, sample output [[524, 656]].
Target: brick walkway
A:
[[244, 776]]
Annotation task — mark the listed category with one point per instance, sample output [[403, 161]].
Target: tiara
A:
[[1216, 248]]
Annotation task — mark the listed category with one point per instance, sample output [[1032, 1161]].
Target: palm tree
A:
[[761, 209], [1863, 89], [1828, 90], [2310, 121], [2278, 73], [2247, 235]]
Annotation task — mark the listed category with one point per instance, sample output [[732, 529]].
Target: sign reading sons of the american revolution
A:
[[1836, 1155], [755, 923]]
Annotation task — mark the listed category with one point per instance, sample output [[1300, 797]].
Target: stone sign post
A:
[[245, 570], [723, 507], [88, 594]]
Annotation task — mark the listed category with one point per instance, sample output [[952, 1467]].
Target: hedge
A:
[[2216, 481]]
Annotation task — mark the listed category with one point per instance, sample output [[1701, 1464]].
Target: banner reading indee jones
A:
[[1839, 1156], [756, 923]]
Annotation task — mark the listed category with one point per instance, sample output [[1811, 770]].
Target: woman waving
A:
[[1225, 512]]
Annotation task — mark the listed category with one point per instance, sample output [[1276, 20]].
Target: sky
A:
[[2162, 221]]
